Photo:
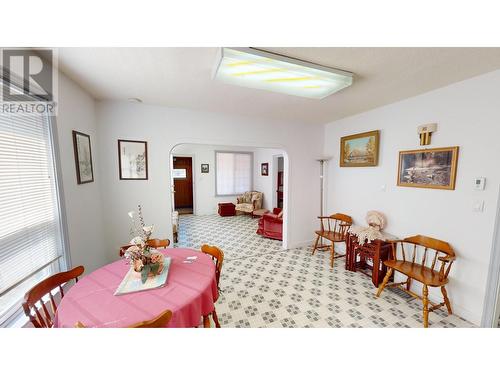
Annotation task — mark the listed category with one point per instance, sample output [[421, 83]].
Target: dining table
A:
[[189, 292]]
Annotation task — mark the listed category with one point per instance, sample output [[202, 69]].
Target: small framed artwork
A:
[[264, 169], [359, 150], [205, 168], [83, 158], [434, 168], [133, 159]]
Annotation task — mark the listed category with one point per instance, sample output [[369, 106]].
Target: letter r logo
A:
[[24, 68]]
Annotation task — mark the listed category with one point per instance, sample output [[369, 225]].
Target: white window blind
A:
[[234, 172], [30, 230]]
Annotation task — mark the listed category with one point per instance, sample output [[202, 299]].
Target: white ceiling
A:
[[181, 77]]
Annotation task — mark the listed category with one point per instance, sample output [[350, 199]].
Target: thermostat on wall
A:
[[479, 183]]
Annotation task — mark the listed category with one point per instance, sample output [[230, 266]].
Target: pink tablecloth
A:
[[189, 293]]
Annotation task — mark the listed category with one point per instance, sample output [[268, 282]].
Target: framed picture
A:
[[205, 168], [133, 159], [83, 158], [264, 169], [434, 168], [359, 150]]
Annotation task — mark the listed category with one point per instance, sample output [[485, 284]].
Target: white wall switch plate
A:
[[478, 206], [479, 183]]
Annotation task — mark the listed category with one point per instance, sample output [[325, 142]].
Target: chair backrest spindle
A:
[[424, 256], [434, 260], [341, 223]]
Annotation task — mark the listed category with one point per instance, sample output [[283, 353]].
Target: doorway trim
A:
[[275, 179], [193, 171], [286, 243], [491, 299]]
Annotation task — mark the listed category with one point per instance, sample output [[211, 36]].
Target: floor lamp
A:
[[322, 162]]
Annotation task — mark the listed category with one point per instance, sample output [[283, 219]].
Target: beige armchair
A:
[[249, 202]]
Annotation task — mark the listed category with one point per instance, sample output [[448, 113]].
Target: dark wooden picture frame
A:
[[264, 169], [129, 176], [205, 168], [367, 156], [436, 168], [83, 158]]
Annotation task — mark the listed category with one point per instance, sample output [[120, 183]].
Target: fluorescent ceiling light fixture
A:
[[263, 70]]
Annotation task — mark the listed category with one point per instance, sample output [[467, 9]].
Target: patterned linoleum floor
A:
[[235, 235], [265, 286]]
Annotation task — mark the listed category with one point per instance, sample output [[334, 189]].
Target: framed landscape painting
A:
[[359, 150], [83, 158], [431, 168], [133, 159]]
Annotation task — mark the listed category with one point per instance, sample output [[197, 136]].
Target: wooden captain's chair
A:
[[423, 259], [334, 229], [34, 304], [155, 243]]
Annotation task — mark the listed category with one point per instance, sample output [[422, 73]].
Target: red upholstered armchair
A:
[[271, 225]]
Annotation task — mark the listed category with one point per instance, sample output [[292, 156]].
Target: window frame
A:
[[216, 170], [63, 262]]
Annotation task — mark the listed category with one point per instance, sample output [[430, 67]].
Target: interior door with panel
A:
[[183, 184]]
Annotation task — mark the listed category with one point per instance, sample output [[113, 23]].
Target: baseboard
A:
[[295, 245], [339, 247]]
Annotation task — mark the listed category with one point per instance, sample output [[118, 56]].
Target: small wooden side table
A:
[[377, 250]]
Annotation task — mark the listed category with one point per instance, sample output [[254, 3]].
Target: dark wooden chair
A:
[[160, 321], [218, 256], [155, 243], [35, 296], [123, 249], [334, 231], [413, 262]]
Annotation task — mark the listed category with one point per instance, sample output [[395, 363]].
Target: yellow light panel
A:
[[266, 71]]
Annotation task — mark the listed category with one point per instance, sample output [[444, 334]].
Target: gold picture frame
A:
[[360, 150], [431, 168]]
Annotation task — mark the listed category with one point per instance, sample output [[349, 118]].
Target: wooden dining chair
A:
[[335, 230], [36, 294], [155, 243], [218, 256], [160, 321], [414, 262], [123, 249]]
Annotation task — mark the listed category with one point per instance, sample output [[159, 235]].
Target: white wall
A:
[[468, 115], [83, 202], [163, 128], [266, 184], [205, 200]]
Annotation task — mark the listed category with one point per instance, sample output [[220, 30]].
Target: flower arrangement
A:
[[140, 255]]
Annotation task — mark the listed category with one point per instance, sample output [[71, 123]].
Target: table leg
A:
[[206, 321], [376, 266], [348, 253]]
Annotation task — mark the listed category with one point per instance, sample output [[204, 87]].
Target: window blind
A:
[[234, 172], [30, 230]]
